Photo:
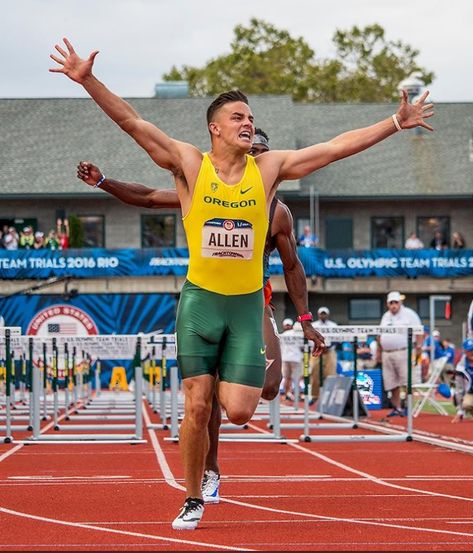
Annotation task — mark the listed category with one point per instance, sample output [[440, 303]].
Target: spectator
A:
[[458, 242], [439, 241], [329, 357], [11, 239], [463, 397], [393, 349], [291, 355], [450, 353], [437, 343], [367, 353], [26, 238], [62, 231], [413, 242], [38, 240], [3, 233], [52, 241], [308, 239]]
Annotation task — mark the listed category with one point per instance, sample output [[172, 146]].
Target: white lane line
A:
[[49, 478], [172, 482], [122, 532], [365, 475], [115, 531]]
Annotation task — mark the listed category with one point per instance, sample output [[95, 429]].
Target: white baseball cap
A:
[[323, 309], [395, 296], [435, 333], [289, 322]]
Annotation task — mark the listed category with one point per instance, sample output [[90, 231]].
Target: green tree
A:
[[267, 60]]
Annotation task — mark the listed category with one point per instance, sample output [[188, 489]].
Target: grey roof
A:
[[42, 140], [414, 162]]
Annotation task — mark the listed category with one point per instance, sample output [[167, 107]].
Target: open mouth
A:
[[246, 135]]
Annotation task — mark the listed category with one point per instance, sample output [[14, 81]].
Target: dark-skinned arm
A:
[[294, 274], [130, 193]]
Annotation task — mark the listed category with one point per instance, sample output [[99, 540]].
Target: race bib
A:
[[230, 238]]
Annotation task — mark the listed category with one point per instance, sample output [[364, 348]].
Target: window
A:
[[423, 309], [93, 230], [387, 232], [426, 227], [364, 308], [158, 231], [338, 234]]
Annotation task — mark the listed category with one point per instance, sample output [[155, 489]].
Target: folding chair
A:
[[426, 390]]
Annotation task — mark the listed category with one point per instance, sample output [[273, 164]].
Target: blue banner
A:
[[89, 314], [100, 262], [387, 263]]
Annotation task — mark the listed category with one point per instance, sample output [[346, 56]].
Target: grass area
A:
[[449, 407]]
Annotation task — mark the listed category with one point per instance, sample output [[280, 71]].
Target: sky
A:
[[139, 40]]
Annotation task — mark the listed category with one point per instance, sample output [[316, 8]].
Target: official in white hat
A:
[[393, 348], [329, 357]]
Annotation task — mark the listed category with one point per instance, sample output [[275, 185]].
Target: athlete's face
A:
[[234, 124], [257, 149]]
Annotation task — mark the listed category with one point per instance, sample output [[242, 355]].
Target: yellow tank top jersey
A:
[[226, 231]]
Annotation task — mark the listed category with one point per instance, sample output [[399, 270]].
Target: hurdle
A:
[[6, 333], [114, 347], [224, 436], [352, 333]]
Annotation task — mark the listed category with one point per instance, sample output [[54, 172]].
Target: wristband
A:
[[396, 122], [100, 181], [305, 317]]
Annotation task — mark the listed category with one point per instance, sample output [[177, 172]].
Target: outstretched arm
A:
[[296, 164], [294, 274], [130, 193], [165, 151]]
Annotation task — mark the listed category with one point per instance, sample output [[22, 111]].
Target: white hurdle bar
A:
[[352, 333]]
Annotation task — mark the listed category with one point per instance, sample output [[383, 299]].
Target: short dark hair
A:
[[261, 133], [225, 98]]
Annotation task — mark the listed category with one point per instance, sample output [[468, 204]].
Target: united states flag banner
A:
[[62, 328]]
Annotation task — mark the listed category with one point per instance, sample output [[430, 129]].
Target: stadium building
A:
[[362, 209]]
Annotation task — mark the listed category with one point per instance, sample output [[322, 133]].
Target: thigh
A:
[[200, 329], [243, 358], [273, 347], [389, 372], [401, 367], [330, 362]]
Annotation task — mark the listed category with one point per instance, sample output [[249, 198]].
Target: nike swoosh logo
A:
[[245, 191], [262, 351]]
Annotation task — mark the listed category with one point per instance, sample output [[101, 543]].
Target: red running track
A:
[[355, 496]]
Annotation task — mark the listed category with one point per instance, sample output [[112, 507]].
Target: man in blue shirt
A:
[[464, 382]]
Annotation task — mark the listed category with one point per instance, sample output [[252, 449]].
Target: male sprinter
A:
[[280, 236], [219, 322]]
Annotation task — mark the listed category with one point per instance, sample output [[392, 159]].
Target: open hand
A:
[[71, 64], [413, 115]]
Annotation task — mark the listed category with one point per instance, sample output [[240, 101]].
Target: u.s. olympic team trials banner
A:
[[99, 262]]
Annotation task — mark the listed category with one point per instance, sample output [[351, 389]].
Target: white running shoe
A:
[[190, 515], [210, 486]]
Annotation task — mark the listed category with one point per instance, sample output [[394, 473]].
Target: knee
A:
[[239, 416], [271, 387], [198, 412]]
